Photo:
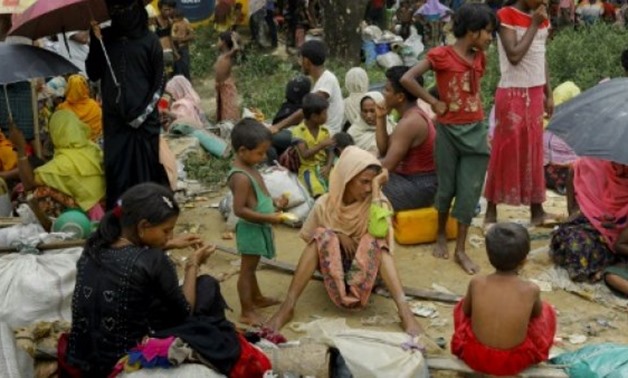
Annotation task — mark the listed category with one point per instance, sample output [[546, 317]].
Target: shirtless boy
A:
[[502, 326]]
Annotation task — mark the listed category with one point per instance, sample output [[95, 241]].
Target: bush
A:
[[584, 56]]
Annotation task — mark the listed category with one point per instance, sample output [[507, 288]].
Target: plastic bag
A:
[[15, 362], [596, 361], [281, 181], [184, 370], [390, 59], [37, 287]]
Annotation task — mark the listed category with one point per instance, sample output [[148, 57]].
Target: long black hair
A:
[[150, 202]]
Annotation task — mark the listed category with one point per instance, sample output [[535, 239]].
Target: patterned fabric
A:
[[458, 83], [579, 248], [515, 170], [52, 202], [227, 101], [349, 282]]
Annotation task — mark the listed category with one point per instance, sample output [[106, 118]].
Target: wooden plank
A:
[[409, 291], [454, 364]]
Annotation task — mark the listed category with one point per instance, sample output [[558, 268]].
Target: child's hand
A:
[[329, 142], [549, 106], [325, 172], [540, 15], [282, 202], [276, 218], [202, 254], [439, 108], [381, 111], [184, 241]]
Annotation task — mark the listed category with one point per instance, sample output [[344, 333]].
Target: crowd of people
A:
[[362, 157]]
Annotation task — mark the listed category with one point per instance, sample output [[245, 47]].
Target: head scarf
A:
[[556, 150], [76, 168], [8, 157], [129, 18], [362, 133], [356, 83], [78, 101], [296, 89], [330, 210], [187, 102], [433, 8], [602, 197]]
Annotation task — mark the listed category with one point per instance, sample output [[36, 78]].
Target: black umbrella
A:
[[25, 62], [595, 123]]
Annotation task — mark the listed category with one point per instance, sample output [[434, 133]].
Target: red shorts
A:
[[534, 349]]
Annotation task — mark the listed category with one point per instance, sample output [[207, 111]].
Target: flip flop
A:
[[551, 221]]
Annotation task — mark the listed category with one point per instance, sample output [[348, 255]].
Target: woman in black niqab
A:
[[130, 120]]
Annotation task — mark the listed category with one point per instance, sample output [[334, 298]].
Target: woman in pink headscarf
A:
[[186, 105], [594, 243]]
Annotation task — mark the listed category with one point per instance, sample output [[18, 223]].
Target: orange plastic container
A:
[[420, 226]]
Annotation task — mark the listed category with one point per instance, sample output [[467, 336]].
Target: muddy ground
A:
[[417, 268]]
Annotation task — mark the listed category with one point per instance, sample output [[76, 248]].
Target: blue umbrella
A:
[[25, 62], [595, 123]]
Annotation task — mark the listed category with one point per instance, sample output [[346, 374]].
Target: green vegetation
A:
[[583, 56], [210, 171]]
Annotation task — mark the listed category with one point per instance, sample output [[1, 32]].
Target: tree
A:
[[341, 19]]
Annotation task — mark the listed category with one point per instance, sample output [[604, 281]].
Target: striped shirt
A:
[[530, 72]]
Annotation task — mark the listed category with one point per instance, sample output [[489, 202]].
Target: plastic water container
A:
[[370, 54], [421, 226], [74, 222], [382, 48]]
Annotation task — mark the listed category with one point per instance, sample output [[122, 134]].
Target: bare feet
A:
[[263, 302], [545, 219], [251, 318], [408, 321], [281, 317], [466, 263], [440, 249]]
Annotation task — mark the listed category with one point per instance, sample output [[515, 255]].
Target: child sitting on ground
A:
[[502, 326], [314, 144], [256, 209]]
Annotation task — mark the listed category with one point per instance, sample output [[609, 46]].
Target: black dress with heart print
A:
[[118, 300]]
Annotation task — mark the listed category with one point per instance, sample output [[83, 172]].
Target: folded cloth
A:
[[534, 349]]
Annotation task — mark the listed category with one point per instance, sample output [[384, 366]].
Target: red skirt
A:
[[515, 171], [534, 349]]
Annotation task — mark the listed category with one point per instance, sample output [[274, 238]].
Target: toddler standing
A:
[[257, 212]]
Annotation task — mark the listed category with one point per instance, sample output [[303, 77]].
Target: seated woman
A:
[[74, 178], [558, 156], [356, 84], [8, 159], [340, 246], [86, 109], [296, 89], [127, 289], [186, 103], [408, 151], [594, 243], [363, 131]]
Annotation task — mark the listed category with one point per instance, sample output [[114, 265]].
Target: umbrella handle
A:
[[6, 98], [98, 35]]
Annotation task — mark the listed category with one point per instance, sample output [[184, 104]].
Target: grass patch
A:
[[210, 171]]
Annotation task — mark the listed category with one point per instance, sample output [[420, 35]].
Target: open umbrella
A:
[[49, 17], [25, 62], [595, 123]]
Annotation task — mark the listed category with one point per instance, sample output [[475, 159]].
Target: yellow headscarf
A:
[[563, 93], [8, 157], [77, 100], [77, 166]]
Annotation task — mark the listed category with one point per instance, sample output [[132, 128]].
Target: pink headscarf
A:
[[187, 103], [602, 195]]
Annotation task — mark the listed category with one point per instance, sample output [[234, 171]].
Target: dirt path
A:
[[417, 268]]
